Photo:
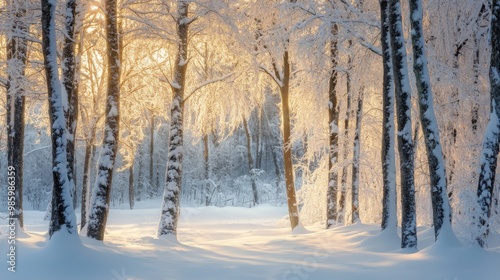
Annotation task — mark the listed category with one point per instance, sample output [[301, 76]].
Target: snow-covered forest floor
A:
[[238, 243]]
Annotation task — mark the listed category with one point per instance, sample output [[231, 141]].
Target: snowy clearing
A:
[[237, 243]]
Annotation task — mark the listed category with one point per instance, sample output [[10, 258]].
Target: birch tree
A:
[[69, 70], [63, 217], [405, 142], [171, 195], [102, 189], [333, 119], [489, 155], [16, 66], [355, 163], [441, 211], [389, 217]]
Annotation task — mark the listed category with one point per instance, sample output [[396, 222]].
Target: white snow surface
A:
[[237, 243]]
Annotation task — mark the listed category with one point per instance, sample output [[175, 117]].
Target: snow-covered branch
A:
[[206, 83], [273, 76], [362, 40]]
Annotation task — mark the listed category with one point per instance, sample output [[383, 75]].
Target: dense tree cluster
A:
[[345, 111]]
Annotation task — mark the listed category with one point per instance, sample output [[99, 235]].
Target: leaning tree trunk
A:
[[333, 121], [440, 205], [250, 162], [16, 65], [389, 214], [405, 142], [63, 217], [102, 189], [355, 163], [171, 195], [71, 86], [488, 161]]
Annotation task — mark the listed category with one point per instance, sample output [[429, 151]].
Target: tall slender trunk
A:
[[355, 162], [293, 210], [151, 156], [389, 207], [140, 183], [102, 189], [16, 66], [131, 185], [250, 162], [70, 84], [63, 216], [258, 141], [441, 211], [405, 141], [489, 156], [343, 177], [206, 185], [86, 179], [171, 196], [274, 148], [333, 121]]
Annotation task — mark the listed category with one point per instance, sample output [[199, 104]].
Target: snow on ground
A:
[[236, 243]]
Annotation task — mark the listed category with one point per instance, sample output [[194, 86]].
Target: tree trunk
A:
[[102, 189], [293, 210], [16, 67], [441, 211], [333, 121], [389, 214], [151, 156], [63, 217], [250, 162], [131, 185], [478, 38], [258, 141], [405, 142], [355, 163], [140, 179], [71, 86], [206, 185], [171, 196], [488, 161], [274, 148], [86, 179], [343, 177]]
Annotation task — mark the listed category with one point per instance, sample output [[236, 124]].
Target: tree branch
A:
[[206, 83]]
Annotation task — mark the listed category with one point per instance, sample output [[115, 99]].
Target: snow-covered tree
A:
[[405, 141], [489, 155], [280, 73], [17, 47], [171, 196], [102, 190], [389, 214], [355, 162], [438, 185], [333, 123], [70, 82], [63, 217]]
